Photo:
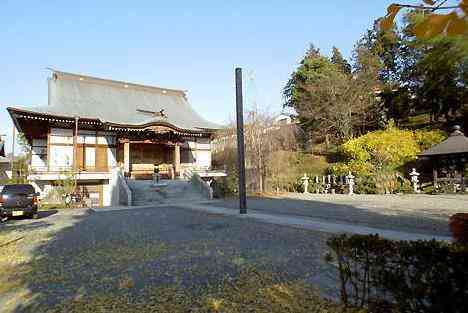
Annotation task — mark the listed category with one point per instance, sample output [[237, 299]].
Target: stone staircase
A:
[[166, 192]]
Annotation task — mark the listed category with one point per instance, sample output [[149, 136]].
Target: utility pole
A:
[[240, 142]]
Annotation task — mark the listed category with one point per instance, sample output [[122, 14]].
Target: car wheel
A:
[[34, 216]]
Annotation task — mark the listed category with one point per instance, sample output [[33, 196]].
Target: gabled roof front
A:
[[454, 144], [119, 103]]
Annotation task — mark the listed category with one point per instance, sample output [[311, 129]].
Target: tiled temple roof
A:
[[454, 144], [118, 103]]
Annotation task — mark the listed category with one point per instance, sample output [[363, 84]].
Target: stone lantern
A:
[[350, 178], [415, 180], [305, 183]]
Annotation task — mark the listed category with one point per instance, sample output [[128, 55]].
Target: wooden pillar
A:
[[462, 175], [177, 159], [127, 158], [75, 147], [96, 154], [48, 150]]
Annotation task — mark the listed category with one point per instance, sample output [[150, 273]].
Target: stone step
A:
[[169, 191]]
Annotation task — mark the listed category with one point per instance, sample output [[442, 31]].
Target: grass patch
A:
[[93, 262], [251, 291], [12, 262], [52, 206], [417, 120]]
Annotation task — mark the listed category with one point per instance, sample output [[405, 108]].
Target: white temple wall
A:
[[61, 157], [39, 153], [200, 150], [61, 149], [107, 194]]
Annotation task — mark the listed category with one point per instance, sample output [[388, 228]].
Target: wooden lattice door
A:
[[101, 159]]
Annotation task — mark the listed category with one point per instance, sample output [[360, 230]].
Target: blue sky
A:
[[192, 45]]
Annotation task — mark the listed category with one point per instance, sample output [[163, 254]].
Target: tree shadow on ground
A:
[[44, 214], [27, 224], [129, 253]]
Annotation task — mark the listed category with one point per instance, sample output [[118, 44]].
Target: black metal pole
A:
[[240, 142]]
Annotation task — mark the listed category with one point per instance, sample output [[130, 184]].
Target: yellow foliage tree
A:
[[452, 23], [380, 154]]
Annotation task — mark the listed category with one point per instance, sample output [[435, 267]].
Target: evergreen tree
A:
[[331, 102], [338, 59], [420, 75]]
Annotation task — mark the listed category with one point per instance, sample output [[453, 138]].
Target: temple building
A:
[[99, 128]]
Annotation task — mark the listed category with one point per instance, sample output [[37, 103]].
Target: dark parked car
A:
[[18, 200]]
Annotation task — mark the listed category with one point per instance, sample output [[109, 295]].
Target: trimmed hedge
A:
[[401, 276]]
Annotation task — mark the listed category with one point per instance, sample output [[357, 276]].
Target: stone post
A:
[[415, 180], [305, 183], [350, 178]]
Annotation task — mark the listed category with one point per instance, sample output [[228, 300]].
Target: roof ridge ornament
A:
[[161, 113]]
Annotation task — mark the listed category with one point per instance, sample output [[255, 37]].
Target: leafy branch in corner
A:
[[433, 24]]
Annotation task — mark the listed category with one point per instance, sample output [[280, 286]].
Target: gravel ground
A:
[[425, 214], [128, 251]]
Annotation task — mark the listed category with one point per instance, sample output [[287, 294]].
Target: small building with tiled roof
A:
[[449, 159], [92, 126]]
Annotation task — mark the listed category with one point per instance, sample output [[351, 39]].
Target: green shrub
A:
[[409, 276], [224, 186], [365, 185], [428, 138], [286, 167], [313, 164]]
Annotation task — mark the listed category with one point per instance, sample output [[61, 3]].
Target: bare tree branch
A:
[[428, 8]]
